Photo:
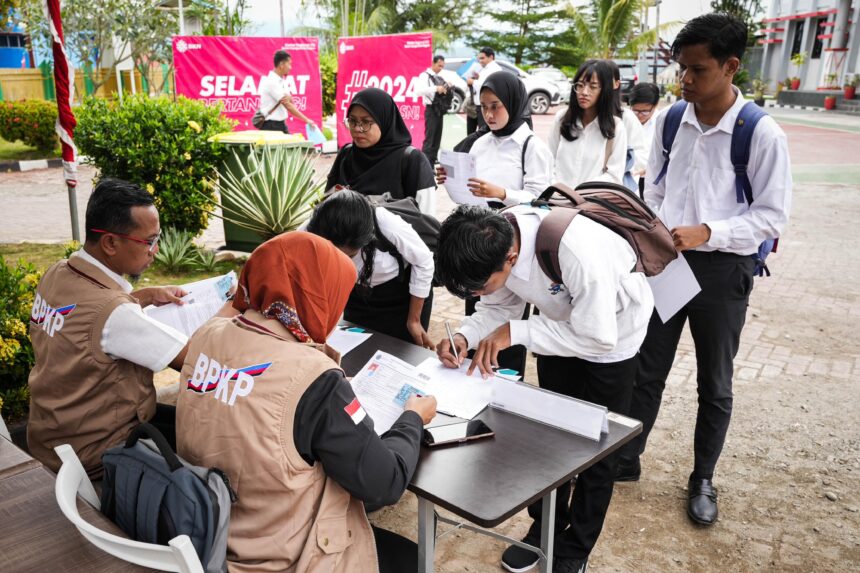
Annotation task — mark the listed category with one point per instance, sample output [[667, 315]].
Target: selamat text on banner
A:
[[228, 69], [391, 63]]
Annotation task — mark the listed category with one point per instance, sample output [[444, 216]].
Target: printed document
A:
[[383, 386], [459, 168], [456, 393], [673, 288], [346, 339], [204, 299]]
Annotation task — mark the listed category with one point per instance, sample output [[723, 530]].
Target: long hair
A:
[[606, 105]]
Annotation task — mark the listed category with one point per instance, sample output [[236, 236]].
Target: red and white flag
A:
[[65, 89], [355, 411]]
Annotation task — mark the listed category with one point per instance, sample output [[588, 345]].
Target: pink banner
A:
[[391, 63], [228, 69]]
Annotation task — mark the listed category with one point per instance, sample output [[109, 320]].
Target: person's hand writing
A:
[[424, 406], [686, 238], [447, 355], [487, 354], [481, 188], [441, 175], [419, 335]]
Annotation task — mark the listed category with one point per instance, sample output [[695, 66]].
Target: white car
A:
[[556, 76], [542, 92]]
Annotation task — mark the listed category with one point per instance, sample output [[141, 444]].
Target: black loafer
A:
[[628, 470], [702, 501]]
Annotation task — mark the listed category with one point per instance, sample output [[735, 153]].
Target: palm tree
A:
[[609, 28]]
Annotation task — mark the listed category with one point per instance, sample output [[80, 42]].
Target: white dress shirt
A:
[[583, 158], [636, 140], [426, 88], [130, 335], [410, 246], [499, 160], [648, 129], [699, 186], [272, 89], [485, 72], [599, 314]]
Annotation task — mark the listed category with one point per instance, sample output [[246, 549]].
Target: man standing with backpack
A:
[[437, 99], [720, 179]]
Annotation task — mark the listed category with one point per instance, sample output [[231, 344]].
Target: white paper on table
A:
[[378, 384], [456, 393], [345, 340], [204, 299], [576, 416], [459, 168], [673, 288]]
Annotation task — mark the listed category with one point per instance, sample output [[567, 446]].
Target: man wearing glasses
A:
[[95, 349]]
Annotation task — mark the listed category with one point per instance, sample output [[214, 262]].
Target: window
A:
[[797, 44], [818, 44], [4, 41]]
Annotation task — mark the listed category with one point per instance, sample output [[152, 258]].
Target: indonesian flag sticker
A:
[[355, 411]]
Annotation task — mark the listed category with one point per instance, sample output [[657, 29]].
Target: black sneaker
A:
[[518, 559], [628, 470], [562, 565]]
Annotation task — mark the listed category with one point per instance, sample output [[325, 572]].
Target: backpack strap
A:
[[607, 153], [548, 241], [670, 130], [742, 135], [523, 158]]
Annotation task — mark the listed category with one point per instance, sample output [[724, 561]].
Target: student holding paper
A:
[[264, 399], [393, 293], [586, 336]]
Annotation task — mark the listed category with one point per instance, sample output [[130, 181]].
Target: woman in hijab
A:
[[512, 166], [381, 158], [265, 400]]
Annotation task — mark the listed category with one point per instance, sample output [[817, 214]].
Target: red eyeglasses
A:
[[151, 243]]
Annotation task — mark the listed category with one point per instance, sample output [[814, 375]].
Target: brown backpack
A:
[[614, 207]]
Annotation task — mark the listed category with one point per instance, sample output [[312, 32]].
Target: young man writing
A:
[[717, 232]]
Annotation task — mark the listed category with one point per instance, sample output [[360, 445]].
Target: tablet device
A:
[[454, 433]]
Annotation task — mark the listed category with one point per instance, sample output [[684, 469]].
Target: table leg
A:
[[426, 536], [547, 530]]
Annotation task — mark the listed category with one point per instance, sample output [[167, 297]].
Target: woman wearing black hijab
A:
[[381, 158]]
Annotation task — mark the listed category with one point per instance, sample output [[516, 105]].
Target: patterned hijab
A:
[[299, 279]]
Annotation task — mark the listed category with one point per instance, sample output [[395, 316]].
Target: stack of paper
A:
[[204, 299], [346, 339]]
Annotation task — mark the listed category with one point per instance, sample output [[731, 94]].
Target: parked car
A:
[[629, 76], [542, 92], [460, 87], [557, 77]]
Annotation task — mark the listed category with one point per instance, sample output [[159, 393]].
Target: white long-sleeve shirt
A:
[[600, 313], [699, 186], [583, 158], [499, 160], [636, 140], [425, 86]]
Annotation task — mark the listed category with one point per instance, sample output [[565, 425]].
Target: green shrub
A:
[[206, 260], [17, 288], [158, 144], [30, 121], [328, 72], [176, 250]]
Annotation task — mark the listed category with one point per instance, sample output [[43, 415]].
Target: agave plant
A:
[[206, 260], [269, 191], [176, 250]]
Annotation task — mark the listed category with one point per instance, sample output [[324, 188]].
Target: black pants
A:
[[717, 316], [396, 554], [273, 125], [432, 133], [385, 307], [514, 357], [578, 522]]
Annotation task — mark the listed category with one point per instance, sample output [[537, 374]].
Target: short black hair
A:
[[473, 244], [109, 207], [725, 36], [489, 52], [281, 56], [644, 92], [438, 57]]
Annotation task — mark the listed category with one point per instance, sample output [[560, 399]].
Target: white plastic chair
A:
[[72, 481], [4, 431]]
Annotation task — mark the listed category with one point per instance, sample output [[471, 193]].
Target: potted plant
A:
[[759, 89], [830, 81], [797, 60], [830, 102], [849, 90]]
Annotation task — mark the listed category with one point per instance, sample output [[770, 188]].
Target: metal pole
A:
[[181, 19], [656, 41], [281, 3], [73, 210]]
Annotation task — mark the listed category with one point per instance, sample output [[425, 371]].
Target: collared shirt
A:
[[699, 186], [648, 130], [131, 335], [272, 88], [427, 88], [485, 72], [601, 311], [499, 160], [583, 158], [636, 140]]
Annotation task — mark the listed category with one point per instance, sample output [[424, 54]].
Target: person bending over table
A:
[[586, 337], [265, 401], [393, 293], [381, 158]]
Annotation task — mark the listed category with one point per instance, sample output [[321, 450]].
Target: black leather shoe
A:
[[562, 565], [518, 559], [628, 470], [702, 501]]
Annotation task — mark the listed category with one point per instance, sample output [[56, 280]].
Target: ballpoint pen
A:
[[451, 341]]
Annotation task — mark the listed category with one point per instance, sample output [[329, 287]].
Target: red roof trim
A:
[[801, 16], [771, 41]]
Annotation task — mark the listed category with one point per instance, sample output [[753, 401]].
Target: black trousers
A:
[[578, 522], [716, 316], [396, 554], [273, 125], [385, 307], [433, 121]]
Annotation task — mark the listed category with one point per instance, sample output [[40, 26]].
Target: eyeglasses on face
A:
[[581, 87], [151, 243], [359, 126], [643, 112]]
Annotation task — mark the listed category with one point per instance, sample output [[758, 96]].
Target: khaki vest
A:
[[78, 394], [241, 383]]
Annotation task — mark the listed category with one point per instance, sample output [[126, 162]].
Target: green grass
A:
[[44, 255], [17, 151]]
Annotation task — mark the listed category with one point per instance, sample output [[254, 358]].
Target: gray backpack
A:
[[153, 495]]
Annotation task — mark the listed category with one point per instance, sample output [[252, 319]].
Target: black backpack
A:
[[441, 102]]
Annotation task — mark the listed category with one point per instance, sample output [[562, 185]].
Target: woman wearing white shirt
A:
[[393, 292], [588, 140]]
